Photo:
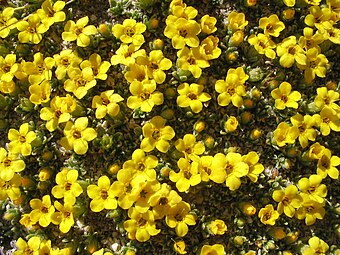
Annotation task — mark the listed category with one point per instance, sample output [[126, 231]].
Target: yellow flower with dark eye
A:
[[58, 112], [181, 11], [156, 135], [310, 210], [127, 54], [136, 73], [263, 45], [217, 227], [183, 32], [7, 21], [327, 120], [80, 81], [285, 134], [288, 200], [328, 98], [255, 168], [285, 97], [67, 186], [231, 124], [216, 249], [144, 95], [77, 136], [327, 165], [40, 69], [102, 195], [63, 217], [209, 48], [140, 226], [20, 141], [268, 215], [179, 217], [179, 247], [42, 210], [192, 96], [271, 25], [64, 61], [305, 125], [312, 188], [31, 30], [79, 31], [30, 247], [10, 164], [208, 24], [289, 52], [106, 103], [11, 189], [236, 21], [129, 32], [156, 65], [40, 93], [51, 13], [99, 67], [316, 246], [189, 147], [192, 60], [8, 67]]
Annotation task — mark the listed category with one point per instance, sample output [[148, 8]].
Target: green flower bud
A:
[[256, 74], [26, 105]]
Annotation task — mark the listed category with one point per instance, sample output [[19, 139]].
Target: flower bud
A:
[[236, 39], [248, 208], [239, 240], [26, 105], [165, 171], [209, 142], [47, 155], [199, 126], [113, 169], [153, 23], [248, 103], [44, 174], [231, 124], [231, 56], [157, 44], [246, 117], [291, 237], [277, 233], [288, 14], [106, 142], [104, 30], [217, 227], [251, 3], [91, 244], [331, 85], [256, 94], [170, 93], [168, 114]]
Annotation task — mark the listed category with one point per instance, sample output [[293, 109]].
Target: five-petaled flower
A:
[[20, 141]]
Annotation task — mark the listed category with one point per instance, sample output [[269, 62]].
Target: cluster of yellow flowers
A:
[[151, 186]]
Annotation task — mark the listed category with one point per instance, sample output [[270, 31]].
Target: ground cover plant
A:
[[169, 127]]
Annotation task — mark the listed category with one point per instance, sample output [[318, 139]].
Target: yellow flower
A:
[[192, 96], [181, 10], [156, 135], [327, 165], [288, 200], [99, 67], [31, 30], [11, 189], [129, 32], [271, 25], [64, 61], [189, 147], [10, 164], [216, 249], [285, 134], [179, 247], [268, 215], [316, 151], [316, 246], [63, 217], [192, 60], [255, 168], [327, 120], [40, 69], [289, 3], [209, 48], [8, 67], [51, 14], [127, 54], [7, 21], [106, 103], [231, 124], [7, 87], [40, 93], [58, 112], [140, 226], [289, 52], [67, 186], [183, 32], [285, 97], [20, 141], [318, 17], [263, 45], [42, 210], [80, 81], [229, 168], [77, 135], [310, 40], [236, 21], [232, 89], [102, 195], [179, 217], [79, 31], [144, 95], [136, 73], [208, 24], [29, 247], [206, 167], [248, 208], [156, 65], [305, 125], [327, 97], [310, 211], [187, 176], [162, 200], [316, 65], [217, 227]]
